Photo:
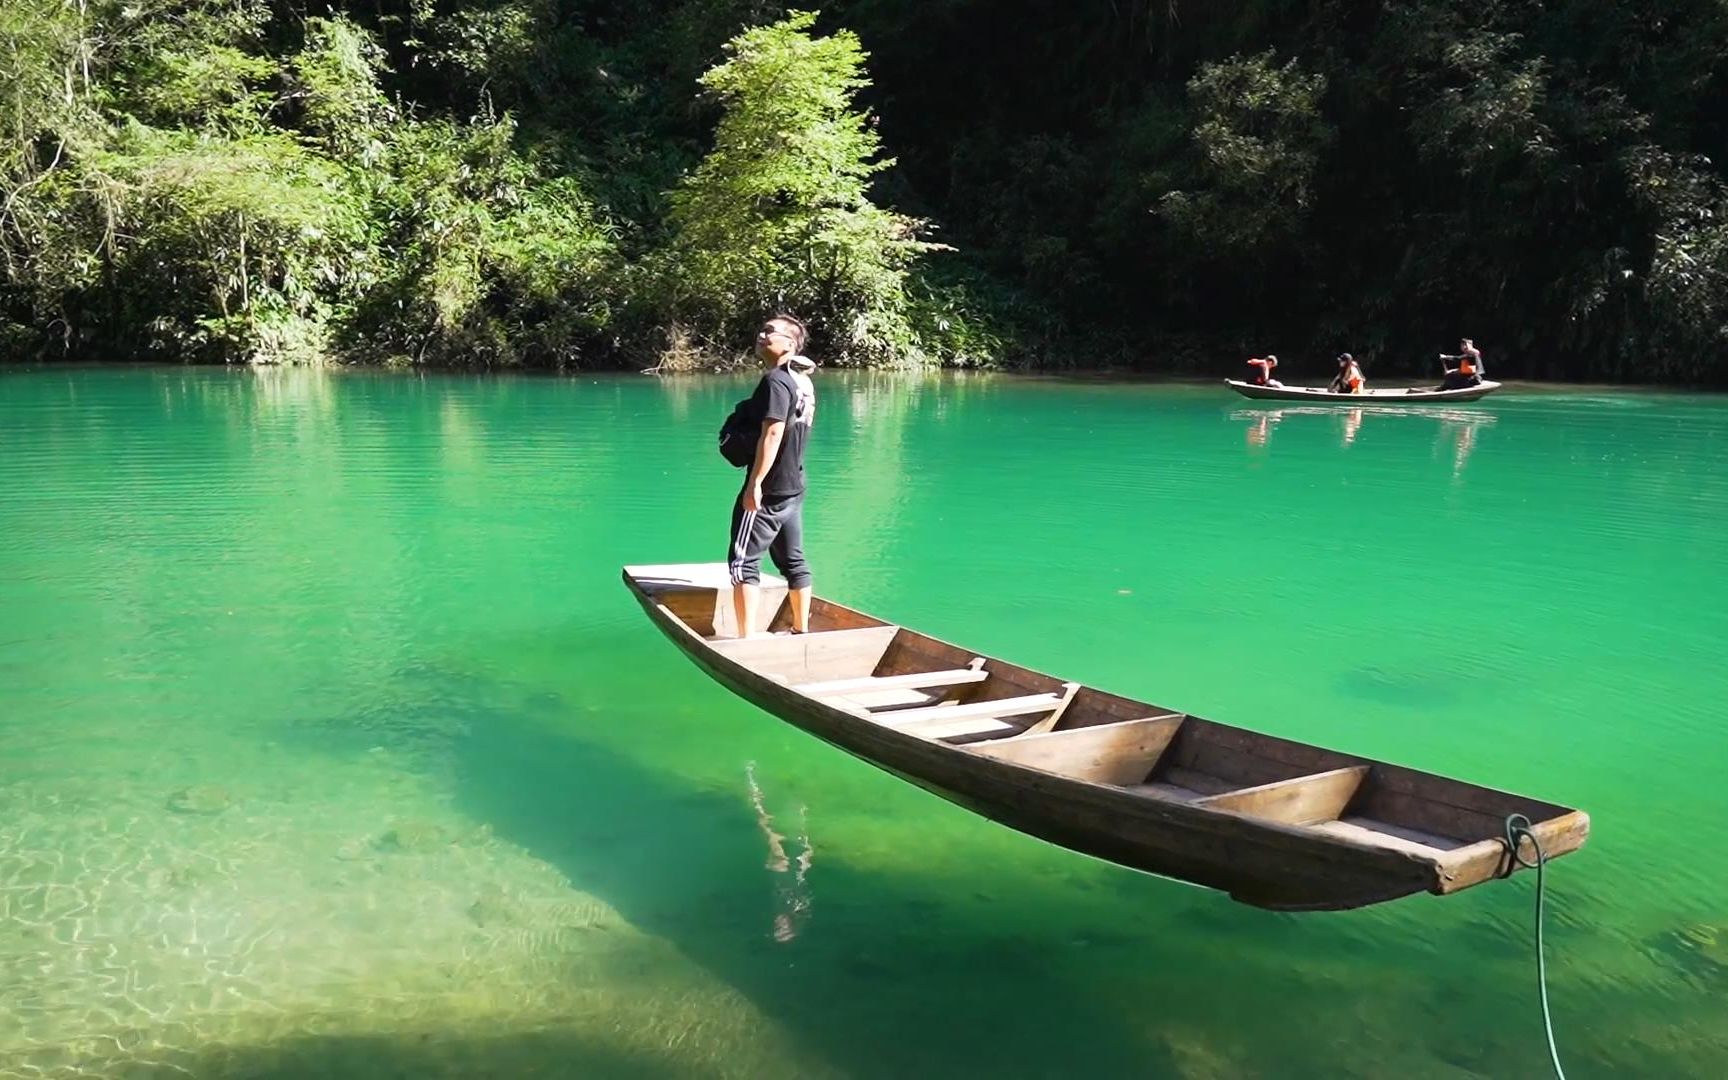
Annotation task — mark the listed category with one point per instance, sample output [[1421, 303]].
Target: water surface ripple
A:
[[330, 745]]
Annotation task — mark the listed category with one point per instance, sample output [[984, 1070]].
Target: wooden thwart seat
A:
[[813, 657], [960, 729], [1120, 753], [921, 680], [1048, 723], [1300, 800], [759, 645], [973, 710]]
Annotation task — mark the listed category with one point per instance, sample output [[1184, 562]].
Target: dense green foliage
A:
[[1160, 185], [1309, 177], [776, 217]]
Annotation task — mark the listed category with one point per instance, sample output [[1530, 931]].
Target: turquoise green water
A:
[[331, 745]]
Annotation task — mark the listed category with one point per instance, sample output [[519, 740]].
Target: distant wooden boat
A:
[[1275, 823], [1413, 395]]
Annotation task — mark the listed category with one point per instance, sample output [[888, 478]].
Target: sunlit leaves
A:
[[777, 214]]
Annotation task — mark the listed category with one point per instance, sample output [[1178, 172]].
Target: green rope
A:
[[1517, 830]]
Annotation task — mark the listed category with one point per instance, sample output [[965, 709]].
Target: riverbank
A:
[[744, 365]]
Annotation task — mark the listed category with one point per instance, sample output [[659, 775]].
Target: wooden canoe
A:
[[1411, 395], [1275, 823]]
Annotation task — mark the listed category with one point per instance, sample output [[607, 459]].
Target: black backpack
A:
[[739, 435]]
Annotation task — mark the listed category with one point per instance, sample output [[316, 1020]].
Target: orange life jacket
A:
[[1466, 365]]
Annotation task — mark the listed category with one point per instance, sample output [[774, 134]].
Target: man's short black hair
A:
[[802, 332]]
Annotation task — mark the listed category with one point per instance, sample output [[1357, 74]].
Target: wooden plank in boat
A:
[[1199, 783], [1446, 808], [912, 651], [1472, 863], [916, 681], [700, 596], [1248, 759], [826, 654], [1363, 831], [1048, 723], [1301, 800], [1018, 706], [884, 702], [825, 617], [938, 728], [1165, 791], [713, 615], [694, 608], [1121, 753], [1094, 706], [770, 609]]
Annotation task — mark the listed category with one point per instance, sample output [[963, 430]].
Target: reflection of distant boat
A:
[[1456, 416], [1411, 395], [1461, 422], [1465, 422]]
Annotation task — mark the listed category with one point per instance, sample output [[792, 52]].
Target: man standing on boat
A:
[[1469, 370], [768, 515]]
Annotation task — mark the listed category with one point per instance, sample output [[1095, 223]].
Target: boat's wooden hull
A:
[[1259, 862], [1316, 396]]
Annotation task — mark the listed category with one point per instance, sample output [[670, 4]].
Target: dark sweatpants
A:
[[778, 529]]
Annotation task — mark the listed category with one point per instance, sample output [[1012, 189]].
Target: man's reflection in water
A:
[[1466, 443], [1352, 424], [792, 894], [1260, 427]]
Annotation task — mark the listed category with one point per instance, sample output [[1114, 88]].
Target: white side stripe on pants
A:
[[746, 525]]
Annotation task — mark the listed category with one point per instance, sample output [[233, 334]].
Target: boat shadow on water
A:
[[836, 957], [967, 963], [964, 964]]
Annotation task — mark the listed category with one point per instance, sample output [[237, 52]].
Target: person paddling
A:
[[1349, 378], [1469, 371], [1260, 371]]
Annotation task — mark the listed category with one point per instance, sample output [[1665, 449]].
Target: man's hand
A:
[[753, 498]]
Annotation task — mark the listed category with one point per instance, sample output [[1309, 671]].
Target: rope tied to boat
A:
[[1518, 830]]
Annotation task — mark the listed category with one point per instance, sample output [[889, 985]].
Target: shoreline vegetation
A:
[[518, 184], [745, 367]]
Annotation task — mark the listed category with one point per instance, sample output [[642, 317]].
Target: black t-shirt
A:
[[790, 397]]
